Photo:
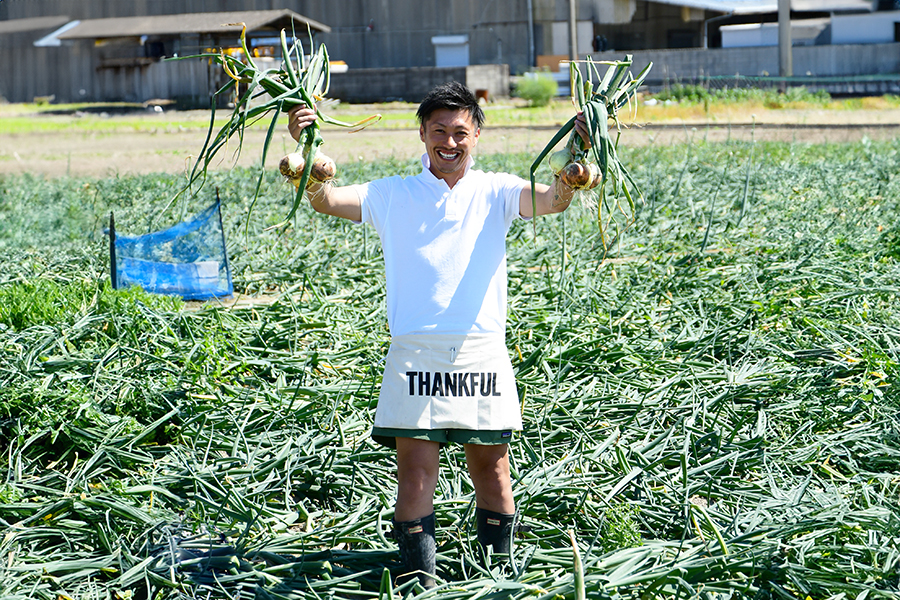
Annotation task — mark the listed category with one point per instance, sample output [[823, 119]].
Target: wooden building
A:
[[137, 59]]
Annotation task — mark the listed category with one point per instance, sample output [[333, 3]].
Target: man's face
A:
[[449, 137]]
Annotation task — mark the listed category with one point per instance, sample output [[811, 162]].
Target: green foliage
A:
[[10, 493], [769, 97], [74, 324], [538, 87], [45, 301], [24, 305], [684, 93], [795, 95], [889, 243], [620, 528], [736, 349]]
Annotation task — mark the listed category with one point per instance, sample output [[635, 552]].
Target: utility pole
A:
[[573, 32], [531, 59], [785, 61]]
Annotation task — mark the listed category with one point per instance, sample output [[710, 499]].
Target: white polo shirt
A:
[[444, 249]]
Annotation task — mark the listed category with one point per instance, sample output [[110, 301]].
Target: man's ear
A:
[[422, 132]]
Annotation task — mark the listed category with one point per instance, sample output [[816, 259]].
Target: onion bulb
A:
[[323, 169], [598, 176], [293, 164], [559, 159], [581, 176]]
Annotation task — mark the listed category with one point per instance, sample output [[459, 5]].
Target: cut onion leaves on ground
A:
[[586, 169], [300, 80], [711, 424]]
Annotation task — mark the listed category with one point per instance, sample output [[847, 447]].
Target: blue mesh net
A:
[[187, 260]]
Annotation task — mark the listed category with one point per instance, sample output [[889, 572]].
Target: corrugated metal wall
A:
[[27, 71], [412, 84], [75, 73], [365, 33], [688, 66]]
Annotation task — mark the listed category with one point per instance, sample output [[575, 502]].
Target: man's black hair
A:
[[452, 96]]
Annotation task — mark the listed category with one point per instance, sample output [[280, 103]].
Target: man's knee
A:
[[417, 460], [489, 470], [488, 463]]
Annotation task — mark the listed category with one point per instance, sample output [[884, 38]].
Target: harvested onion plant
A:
[[300, 81], [586, 169]]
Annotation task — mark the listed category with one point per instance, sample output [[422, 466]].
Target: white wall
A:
[[613, 12], [816, 61], [451, 50], [874, 28], [753, 34], [804, 32], [583, 29]]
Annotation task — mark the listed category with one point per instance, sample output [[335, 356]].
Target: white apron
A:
[[441, 381]]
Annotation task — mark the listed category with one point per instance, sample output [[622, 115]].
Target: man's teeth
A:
[[448, 155]]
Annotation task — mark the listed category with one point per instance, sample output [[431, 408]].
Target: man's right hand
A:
[[299, 118], [324, 197]]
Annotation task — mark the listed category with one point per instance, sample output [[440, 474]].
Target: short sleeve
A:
[[510, 188], [374, 201]]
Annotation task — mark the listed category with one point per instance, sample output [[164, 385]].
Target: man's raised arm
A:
[[326, 198], [555, 198]]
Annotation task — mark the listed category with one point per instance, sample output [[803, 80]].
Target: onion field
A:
[[711, 401]]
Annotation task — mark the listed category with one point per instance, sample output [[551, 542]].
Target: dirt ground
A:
[[126, 150]]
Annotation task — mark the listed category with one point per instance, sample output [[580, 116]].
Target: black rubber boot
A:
[[417, 549], [495, 530]]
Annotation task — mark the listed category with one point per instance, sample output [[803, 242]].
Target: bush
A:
[[537, 87], [797, 95], [770, 97], [684, 93]]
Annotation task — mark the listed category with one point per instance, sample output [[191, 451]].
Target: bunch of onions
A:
[[301, 80], [293, 165], [592, 167]]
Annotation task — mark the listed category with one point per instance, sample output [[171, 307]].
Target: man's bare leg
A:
[[418, 462], [495, 507]]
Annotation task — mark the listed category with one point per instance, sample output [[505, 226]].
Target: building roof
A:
[[832, 5], [738, 7], [749, 7], [34, 24], [213, 22]]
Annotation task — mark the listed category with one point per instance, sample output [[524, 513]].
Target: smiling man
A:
[[448, 377]]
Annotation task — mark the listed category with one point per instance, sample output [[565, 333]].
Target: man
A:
[[448, 377]]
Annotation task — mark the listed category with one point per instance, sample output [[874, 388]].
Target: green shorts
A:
[[386, 437]]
